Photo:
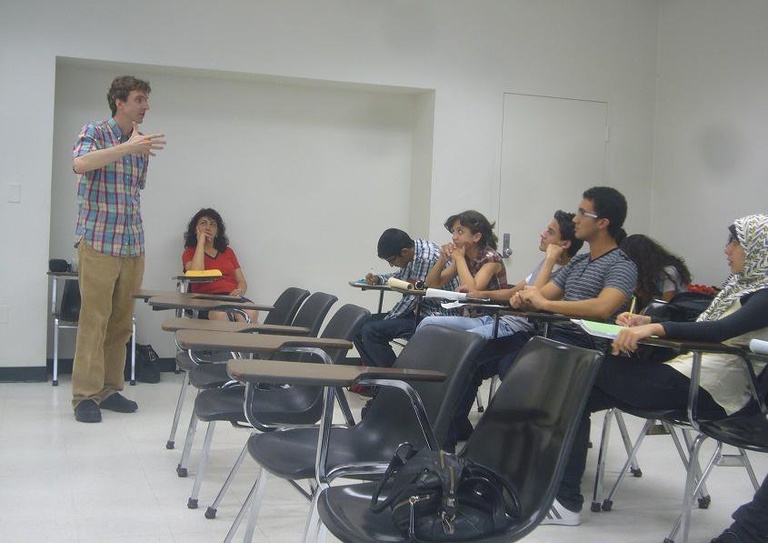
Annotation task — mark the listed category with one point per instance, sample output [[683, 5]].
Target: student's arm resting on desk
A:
[[548, 299], [242, 285], [442, 271]]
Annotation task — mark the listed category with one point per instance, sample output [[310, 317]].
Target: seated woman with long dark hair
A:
[[660, 274], [206, 247], [738, 314]]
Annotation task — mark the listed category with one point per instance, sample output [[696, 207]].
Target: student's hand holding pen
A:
[[628, 338], [632, 319]]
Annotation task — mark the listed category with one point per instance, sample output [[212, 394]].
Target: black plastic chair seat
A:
[[225, 404], [207, 376], [745, 432]]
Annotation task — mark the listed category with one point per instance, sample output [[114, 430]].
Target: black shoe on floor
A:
[[118, 402], [87, 411]]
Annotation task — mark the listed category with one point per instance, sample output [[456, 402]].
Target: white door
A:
[[553, 149]]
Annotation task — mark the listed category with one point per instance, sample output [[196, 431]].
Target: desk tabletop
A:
[[535, 315], [362, 285], [185, 300], [179, 323], [252, 343], [63, 275], [146, 294], [302, 373]]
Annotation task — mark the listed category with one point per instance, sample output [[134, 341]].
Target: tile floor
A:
[[66, 482]]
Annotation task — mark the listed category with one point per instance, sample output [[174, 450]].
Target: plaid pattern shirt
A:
[[425, 254], [108, 199]]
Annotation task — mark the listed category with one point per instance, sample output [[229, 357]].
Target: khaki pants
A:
[[104, 326]]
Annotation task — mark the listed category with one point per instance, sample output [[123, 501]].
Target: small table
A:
[[365, 286], [175, 324], [193, 302]]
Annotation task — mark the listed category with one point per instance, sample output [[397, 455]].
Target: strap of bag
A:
[[403, 452]]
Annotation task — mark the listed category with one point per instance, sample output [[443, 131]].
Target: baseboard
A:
[[30, 374]]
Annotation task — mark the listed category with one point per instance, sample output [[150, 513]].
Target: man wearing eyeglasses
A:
[[414, 258], [596, 285]]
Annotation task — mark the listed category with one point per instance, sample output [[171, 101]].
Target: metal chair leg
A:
[[171, 443], [181, 469], [203, 462], [210, 512], [55, 352]]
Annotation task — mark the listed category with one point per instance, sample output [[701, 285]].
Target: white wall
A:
[[712, 129], [470, 52]]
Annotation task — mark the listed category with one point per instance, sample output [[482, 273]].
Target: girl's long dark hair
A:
[[476, 222], [651, 259], [220, 242]]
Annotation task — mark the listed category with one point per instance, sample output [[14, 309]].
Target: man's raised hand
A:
[[145, 144]]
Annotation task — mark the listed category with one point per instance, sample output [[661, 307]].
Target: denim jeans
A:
[[372, 342], [477, 325]]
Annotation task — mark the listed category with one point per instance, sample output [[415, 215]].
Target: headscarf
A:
[[752, 234]]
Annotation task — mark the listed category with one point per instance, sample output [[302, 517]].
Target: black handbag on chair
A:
[[438, 496], [70, 301]]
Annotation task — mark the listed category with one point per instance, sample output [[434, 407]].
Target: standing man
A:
[[414, 258], [110, 159]]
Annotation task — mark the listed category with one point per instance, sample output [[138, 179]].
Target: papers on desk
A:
[[759, 346], [598, 329], [399, 283], [475, 302], [203, 273], [446, 294]]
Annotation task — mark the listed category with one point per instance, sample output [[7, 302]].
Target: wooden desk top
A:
[[145, 294], [252, 343], [175, 324], [366, 286], [535, 315], [302, 373], [192, 301]]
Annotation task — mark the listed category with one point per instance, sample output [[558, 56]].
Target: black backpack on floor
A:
[[147, 363]]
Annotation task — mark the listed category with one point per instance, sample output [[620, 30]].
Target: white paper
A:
[[758, 346], [446, 294]]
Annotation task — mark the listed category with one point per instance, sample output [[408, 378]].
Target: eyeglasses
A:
[[581, 213], [391, 260], [205, 222]]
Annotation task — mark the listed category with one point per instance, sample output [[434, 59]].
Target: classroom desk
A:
[[331, 377], [193, 302], [365, 286], [175, 324], [256, 343], [183, 281]]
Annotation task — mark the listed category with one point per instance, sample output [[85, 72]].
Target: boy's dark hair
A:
[[568, 230], [220, 242], [392, 242], [121, 87], [609, 204], [476, 222]]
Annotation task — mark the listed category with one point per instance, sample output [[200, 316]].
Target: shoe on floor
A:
[[87, 411], [560, 516], [118, 402]]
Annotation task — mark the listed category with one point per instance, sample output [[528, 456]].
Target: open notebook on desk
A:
[[598, 329]]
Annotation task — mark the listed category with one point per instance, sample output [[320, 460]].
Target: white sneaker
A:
[[560, 516]]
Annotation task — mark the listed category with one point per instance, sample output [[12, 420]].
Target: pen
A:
[[631, 309]]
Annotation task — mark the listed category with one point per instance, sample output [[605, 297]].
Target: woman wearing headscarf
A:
[[736, 315]]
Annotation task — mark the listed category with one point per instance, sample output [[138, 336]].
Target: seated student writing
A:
[[660, 274], [559, 244], [206, 247]]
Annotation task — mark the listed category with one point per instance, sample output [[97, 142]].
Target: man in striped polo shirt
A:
[[595, 285], [110, 159]]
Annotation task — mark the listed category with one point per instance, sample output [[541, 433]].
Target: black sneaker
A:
[[118, 402], [87, 411]]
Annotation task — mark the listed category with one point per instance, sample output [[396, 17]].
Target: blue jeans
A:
[[477, 325], [372, 342]]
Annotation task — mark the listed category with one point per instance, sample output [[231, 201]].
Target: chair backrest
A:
[[345, 324], [526, 432], [313, 311], [302, 404], [69, 310], [286, 306], [450, 351]]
